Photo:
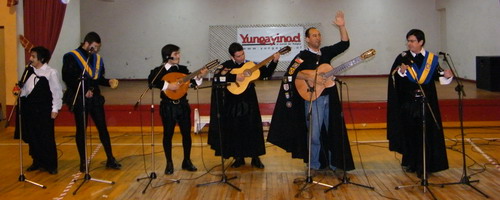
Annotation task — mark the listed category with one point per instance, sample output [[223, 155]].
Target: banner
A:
[[260, 43]]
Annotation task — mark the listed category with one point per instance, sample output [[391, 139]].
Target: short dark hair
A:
[[167, 51], [235, 47], [419, 34], [308, 30], [42, 54], [92, 37]]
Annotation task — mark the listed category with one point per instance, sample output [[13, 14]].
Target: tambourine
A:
[[113, 83]]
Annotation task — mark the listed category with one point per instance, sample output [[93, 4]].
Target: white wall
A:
[[133, 31], [472, 29], [69, 38]]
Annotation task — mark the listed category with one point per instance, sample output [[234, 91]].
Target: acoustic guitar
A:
[[310, 91], [251, 72], [183, 80]]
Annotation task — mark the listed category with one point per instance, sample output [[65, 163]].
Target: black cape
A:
[[38, 126], [404, 121], [240, 122], [288, 129]]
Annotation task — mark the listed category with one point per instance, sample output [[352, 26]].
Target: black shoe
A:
[[113, 164], [188, 165], [257, 163], [54, 171], [82, 167], [170, 168], [33, 167], [409, 169], [238, 162]]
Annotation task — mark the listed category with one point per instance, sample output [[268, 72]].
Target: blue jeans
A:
[[319, 116]]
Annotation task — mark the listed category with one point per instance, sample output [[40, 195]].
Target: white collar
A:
[[315, 52], [422, 51], [168, 66]]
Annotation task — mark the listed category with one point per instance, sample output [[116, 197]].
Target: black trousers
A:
[[95, 107], [171, 114]]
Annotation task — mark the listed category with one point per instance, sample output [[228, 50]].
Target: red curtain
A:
[[42, 22]]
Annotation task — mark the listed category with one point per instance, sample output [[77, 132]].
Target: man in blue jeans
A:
[[290, 125]]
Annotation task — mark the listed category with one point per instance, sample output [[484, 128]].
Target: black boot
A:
[[188, 165], [113, 164], [170, 168], [33, 167], [238, 162], [257, 163]]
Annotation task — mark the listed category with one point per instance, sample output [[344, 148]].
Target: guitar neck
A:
[[208, 66], [343, 67], [264, 62], [192, 75]]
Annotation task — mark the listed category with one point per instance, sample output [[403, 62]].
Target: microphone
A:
[[91, 50], [28, 68], [442, 53], [407, 58]]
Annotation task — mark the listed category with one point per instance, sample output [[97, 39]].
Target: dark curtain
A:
[[42, 23]]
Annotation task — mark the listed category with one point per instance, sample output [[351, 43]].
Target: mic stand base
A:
[[308, 181], [424, 183], [150, 178], [347, 180], [466, 181], [22, 178], [87, 178], [224, 180]]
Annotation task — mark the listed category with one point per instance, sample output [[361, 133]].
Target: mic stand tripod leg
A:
[[345, 179], [424, 183], [224, 178], [152, 175], [461, 93], [22, 178], [83, 111], [309, 180]]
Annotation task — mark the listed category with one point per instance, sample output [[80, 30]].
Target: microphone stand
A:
[[87, 176], [19, 84], [152, 175], [224, 179], [345, 179], [461, 93], [22, 178], [309, 179], [424, 183]]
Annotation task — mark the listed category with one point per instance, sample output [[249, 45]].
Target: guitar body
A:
[[174, 77], [239, 87], [307, 90]]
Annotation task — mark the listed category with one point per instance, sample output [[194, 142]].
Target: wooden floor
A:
[[379, 168], [282, 177]]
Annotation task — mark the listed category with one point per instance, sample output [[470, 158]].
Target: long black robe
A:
[[240, 120], [288, 126], [38, 126], [404, 121]]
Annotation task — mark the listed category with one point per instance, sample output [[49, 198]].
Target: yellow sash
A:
[[93, 74], [425, 72]]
